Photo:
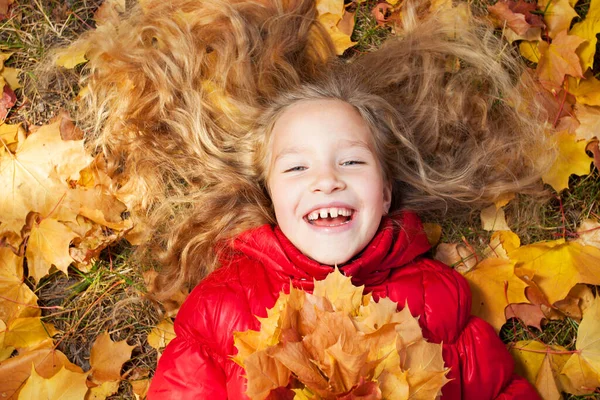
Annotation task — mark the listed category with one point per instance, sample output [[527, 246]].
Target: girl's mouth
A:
[[328, 217]]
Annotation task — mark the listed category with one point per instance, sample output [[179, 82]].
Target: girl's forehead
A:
[[328, 119]]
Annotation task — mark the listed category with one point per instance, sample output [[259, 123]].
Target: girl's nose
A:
[[327, 181]]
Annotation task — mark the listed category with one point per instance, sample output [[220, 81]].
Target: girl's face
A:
[[325, 180]]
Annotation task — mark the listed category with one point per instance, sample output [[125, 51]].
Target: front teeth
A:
[[331, 212]]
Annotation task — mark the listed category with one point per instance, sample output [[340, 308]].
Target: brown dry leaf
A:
[[595, 150], [140, 387], [581, 373], [107, 358], [341, 41], [539, 368], [558, 15], [587, 30], [571, 159], [584, 295], [15, 371], [558, 266], [493, 219], [456, 255], [48, 245], [529, 314], [589, 122], [7, 101], [559, 59], [4, 5], [433, 232], [505, 15], [64, 385], [17, 299], [160, 336], [488, 282], [264, 374]]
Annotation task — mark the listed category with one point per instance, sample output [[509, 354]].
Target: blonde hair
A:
[[183, 95]]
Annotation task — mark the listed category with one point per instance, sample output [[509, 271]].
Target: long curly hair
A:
[[183, 96]]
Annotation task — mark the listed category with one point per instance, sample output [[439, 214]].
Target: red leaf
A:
[[7, 101]]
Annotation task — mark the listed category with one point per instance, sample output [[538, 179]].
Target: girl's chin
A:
[[329, 258]]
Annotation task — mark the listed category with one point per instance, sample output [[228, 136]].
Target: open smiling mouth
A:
[[327, 217]]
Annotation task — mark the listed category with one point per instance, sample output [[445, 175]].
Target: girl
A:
[[261, 162]]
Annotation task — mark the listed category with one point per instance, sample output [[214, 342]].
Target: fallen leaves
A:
[[571, 159], [338, 342]]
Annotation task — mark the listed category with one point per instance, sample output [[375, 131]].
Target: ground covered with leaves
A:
[[74, 319]]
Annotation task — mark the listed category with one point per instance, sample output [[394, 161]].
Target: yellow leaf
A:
[[341, 40], [102, 391], [589, 233], [72, 56], [559, 59], [64, 385], [586, 91], [11, 75], [558, 266], [493, 219], [28, 332], [501, 243], [36, 177], [487, 282], [530, 51], [160, 336], [107, 358], [264, 374], [48, 245], [582, 370], [5, 351], [540, 369], [140, 387], [587, 30], [558, 15], [589, 122], [426, 372], [335, 7], [571, 159], [17, 299], [338, 289], [15, 371]]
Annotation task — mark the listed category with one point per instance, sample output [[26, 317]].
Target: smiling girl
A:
[[263, 162]]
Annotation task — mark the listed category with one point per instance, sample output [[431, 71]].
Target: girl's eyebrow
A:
[[289, 151]]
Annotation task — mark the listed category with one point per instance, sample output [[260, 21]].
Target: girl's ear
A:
[[387, 197]]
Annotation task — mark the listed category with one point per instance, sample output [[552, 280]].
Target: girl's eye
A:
[[353, 162], [295, 169]]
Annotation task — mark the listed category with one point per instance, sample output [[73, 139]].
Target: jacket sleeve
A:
[[188, 371], [487, 368]]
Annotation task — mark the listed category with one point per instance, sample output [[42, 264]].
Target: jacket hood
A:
[[399, 239]]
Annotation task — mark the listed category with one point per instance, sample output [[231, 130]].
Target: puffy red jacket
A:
[[197, 364]]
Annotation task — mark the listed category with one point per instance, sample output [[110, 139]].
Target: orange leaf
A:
[[107, 358], [559, 59]]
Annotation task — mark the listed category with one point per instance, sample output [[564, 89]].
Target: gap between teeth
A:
[[329, 212]]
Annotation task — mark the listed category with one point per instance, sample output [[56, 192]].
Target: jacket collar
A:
[[397, 242]]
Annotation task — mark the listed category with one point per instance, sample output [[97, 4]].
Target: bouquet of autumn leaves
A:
[[339, 344]]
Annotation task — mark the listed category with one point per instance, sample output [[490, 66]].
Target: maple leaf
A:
[[586, 91], [17, 299], [502, 242], [28, 332], [64, 384], [589, 122], [587, 30], [72, 56], [557, 266], [107, 358], [48, 245], [488, 281], [505, 12], [457, 255], [493, 219], [329, 353], [540, 364], [581, 372], [15, 371], [160, 336], [558, 15], [559, 59], [103, 390], [571, 159], [339, 290]]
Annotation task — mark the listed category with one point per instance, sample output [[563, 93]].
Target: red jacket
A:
[[197, 364]]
